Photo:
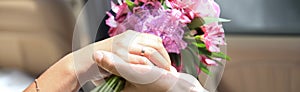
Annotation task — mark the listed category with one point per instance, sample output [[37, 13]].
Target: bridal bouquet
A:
[[190, 29]]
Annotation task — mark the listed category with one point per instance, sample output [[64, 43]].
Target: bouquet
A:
[[190, 29]]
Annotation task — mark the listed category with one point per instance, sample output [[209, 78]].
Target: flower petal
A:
[[111, 20], [115, 8]]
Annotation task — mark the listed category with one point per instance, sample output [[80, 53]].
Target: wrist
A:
[[105, 45], [69, 64], [84, 66], [61, 76]]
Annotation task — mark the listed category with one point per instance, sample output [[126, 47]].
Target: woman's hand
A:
[[137, 48], [132, 47], [143, 78]]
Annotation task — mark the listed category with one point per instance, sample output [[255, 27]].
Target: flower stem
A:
[[102, 89], [120, 85], [114, 84], [111, 84], [98, 88]]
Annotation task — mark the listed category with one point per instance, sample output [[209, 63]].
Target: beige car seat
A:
[[34, 34]]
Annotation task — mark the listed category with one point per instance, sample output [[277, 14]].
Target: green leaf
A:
[[187, 58], [199, 45], [217, 61], [130, 4], [220, 55], [208, 20], [205, 70], [175, 59], [204, 51], [193, 50], [197, 37], [165, 5], [196, 22]]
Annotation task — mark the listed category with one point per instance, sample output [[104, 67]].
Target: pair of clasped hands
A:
[[139, 58]]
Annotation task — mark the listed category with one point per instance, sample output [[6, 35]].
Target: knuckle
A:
[[108, 67], [159, 40], [160, 47], [150, 52]]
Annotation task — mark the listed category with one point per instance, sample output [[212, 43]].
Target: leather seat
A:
[[34, 34]]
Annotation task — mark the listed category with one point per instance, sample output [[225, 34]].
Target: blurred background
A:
[[263, 41], [264, 44]]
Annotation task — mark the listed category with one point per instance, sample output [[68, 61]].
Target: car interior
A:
[[263, 41]]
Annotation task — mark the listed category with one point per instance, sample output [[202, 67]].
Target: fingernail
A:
[[164, 63], [160, 61], [99, 55], [167, 68]]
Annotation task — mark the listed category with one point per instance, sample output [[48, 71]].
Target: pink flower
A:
[[213, 33], [113, 22], [207, 60], [182, 18], [143, 1], [213, 36], [120, 10], [206, 8], [179, 68], [150, 18], [199, 8]]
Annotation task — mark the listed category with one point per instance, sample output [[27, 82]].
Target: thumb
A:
[[140, 74], [106, 61]]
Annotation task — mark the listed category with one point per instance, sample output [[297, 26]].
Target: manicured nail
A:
[[160, 61]]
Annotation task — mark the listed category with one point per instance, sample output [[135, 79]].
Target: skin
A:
[[127, 59], [62, 75], [161, 80]]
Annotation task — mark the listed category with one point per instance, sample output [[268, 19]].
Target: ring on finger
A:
[[143, 52]]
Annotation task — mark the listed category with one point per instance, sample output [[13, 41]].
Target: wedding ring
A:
[[142, 52]]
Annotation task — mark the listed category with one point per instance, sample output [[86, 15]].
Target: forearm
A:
[[60, 77]]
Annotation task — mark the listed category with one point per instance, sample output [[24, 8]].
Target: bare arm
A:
[[60, 77]]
